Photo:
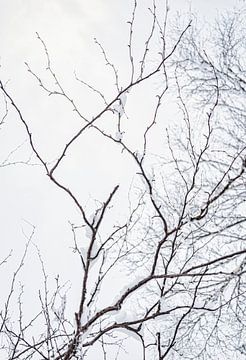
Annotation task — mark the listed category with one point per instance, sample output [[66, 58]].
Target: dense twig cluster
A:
[[185, 232]]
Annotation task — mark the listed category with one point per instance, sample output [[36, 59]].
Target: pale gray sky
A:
[[68, 28]]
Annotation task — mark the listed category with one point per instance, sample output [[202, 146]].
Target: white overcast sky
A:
[[68, 28]]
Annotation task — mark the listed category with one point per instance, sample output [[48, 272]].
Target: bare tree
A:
[[181, 242]]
